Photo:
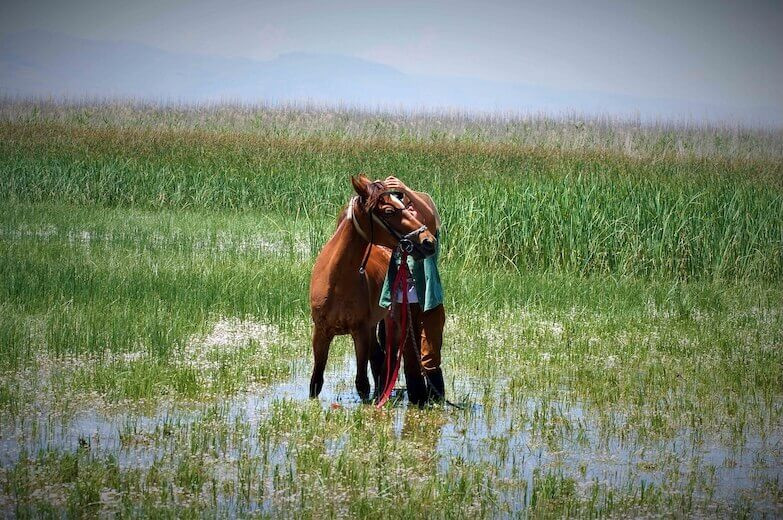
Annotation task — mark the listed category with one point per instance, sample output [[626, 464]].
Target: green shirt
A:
[[425, 275]]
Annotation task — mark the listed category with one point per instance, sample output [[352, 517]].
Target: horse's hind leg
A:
[[321, 342], [362, 342]]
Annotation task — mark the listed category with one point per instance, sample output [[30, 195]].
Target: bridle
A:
[[405, 242]]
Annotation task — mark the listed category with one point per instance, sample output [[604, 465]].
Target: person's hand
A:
[[394, 184]]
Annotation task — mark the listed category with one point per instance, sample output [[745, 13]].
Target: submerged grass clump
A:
[[614, 319]]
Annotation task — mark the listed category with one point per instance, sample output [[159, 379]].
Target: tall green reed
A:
[[502, 206]]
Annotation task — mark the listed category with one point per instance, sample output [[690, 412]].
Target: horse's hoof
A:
[[315, 389]]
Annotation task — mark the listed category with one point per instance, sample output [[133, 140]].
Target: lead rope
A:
[[401, 283]]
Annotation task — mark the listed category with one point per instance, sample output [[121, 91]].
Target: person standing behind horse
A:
[[426, 296]]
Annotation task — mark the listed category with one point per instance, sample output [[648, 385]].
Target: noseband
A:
[[404, 242]]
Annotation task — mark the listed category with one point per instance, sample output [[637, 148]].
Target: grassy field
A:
[[614, 295]]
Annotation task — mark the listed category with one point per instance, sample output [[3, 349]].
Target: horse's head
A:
[[390, 221]]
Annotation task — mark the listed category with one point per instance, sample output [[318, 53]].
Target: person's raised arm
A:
[[422, 203]]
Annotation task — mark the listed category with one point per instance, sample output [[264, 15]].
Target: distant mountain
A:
[[36, 63]]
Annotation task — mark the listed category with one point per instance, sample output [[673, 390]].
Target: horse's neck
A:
[[349, 247]]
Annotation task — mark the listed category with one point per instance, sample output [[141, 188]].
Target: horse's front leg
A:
[[321, 342], [362, 341]]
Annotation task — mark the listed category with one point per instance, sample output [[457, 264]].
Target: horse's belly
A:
[[343, 314], [339, 313]]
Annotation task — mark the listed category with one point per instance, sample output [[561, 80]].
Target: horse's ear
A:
[[360, 184]]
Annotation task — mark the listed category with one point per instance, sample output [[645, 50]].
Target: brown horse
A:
[[343, 297]]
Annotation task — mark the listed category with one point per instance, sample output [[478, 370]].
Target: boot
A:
[[417, 390], [436, 389]]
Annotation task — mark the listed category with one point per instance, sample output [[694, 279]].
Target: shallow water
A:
[[495, 428]]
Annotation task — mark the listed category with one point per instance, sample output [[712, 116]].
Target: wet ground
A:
[[516, 435]]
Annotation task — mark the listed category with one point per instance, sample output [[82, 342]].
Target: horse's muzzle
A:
[[428, 245], [421, 250]]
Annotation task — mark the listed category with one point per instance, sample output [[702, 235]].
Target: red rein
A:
[[400, 283]]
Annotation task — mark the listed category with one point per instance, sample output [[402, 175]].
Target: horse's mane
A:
[[343, 213]]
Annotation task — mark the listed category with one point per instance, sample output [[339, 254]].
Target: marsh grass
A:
[[615, 325], [506, 207], [114, 308]]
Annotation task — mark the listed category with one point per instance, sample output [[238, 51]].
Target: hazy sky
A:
[[718, 52]]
